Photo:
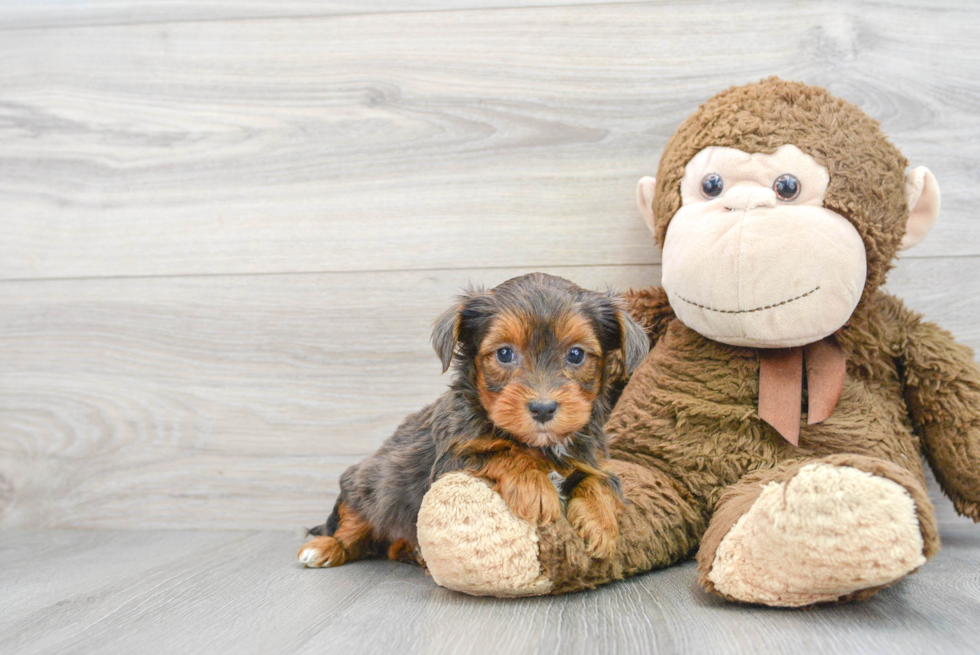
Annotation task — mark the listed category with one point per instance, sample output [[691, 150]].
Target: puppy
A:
[[538, 362]]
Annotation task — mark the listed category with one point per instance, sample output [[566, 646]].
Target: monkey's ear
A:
[[646, 191], [922, 192], [636, 343]]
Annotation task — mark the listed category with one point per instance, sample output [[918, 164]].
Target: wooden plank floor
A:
[[214, 592]]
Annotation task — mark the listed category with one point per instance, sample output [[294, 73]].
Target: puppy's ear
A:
[[445, 334], [459, 324], [636, 343], [618, 331]]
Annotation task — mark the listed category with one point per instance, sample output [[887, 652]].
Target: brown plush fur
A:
[[686, 439], [688, 445]]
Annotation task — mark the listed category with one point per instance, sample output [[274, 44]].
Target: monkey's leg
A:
[[352, 540], [829, 529], [473, 543]]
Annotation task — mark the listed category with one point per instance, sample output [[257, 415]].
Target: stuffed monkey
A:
[[777, 427]]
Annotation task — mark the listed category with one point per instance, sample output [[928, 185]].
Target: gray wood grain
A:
[[18, 15], [430, 139], [237, 401], [241, 592]]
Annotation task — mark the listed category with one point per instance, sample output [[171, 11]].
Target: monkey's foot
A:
[[828, 533], [472, 542]]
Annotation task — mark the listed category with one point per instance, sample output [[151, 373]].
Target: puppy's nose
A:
[[543, 410]]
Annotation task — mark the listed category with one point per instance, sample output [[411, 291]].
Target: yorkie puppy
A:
[[539, 361]]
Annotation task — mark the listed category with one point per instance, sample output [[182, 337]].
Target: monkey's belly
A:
[[694, 408]]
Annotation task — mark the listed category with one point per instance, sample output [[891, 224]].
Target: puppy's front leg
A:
[[525, 487], [519, 475], [594, 501]]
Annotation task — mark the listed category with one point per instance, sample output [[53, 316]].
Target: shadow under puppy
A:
[[536, 374]]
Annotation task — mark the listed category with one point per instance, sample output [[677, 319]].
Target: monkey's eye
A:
[[712, 185], [505, 355], [575, 356], [787, 187]]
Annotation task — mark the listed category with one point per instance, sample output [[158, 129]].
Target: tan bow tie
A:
[[781, 385]]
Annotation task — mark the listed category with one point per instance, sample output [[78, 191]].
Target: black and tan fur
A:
[[484, 422]]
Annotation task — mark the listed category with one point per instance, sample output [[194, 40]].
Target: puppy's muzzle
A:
[[542, 410]]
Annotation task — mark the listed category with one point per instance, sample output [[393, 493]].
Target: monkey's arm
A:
[[472, 542], [650, 308], [942, 389]]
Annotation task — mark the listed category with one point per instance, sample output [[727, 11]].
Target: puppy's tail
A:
[[328, 528]]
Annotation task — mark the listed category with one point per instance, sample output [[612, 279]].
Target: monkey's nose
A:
[[745, 197], [542, 410]]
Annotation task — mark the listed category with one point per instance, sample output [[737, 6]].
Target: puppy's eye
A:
[[712, 185], [505, 355], [787, 187], [575, 356]]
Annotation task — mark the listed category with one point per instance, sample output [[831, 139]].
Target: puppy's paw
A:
[[596, 524], [549, 504], [531, 497], [321, 552]]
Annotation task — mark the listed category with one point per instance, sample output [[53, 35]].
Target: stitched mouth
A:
[[749, 311]]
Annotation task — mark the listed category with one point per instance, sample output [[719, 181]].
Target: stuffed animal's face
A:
[[779, 209], [753, 258]]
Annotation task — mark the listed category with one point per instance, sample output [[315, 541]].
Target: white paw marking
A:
[[557, 479], [309, 556]]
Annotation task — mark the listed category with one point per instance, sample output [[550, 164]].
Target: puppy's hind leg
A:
[[404, 550], [351, 540]]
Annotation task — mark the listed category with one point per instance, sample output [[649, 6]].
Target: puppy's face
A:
[[535, 349], [538, 375]]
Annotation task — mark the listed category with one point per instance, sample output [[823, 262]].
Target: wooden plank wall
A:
[[226, 227]]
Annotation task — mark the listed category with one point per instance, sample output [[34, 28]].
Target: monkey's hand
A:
[[942, 390]]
